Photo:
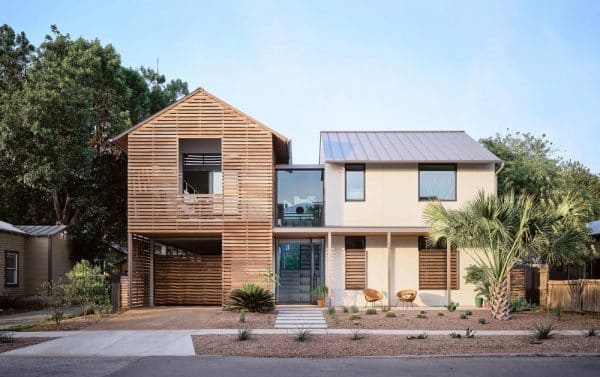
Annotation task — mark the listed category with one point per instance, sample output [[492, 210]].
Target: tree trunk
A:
[[500, 305]]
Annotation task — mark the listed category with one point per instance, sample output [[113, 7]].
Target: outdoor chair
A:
[[372, 296], [406, 296]]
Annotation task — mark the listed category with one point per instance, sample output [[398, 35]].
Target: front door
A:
[[300, 270]]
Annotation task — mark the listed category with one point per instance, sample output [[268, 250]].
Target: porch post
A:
[[329, 267], [151, 272], [448, 272], [129, 269], [390, 270]]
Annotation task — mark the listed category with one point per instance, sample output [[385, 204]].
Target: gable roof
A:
[[402, 146], [9, 228], [121, 139]]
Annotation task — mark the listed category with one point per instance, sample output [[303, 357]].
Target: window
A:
[[356, 263], [432, 265], [355, 182], [11, 268], [437, 182], [201, 166]]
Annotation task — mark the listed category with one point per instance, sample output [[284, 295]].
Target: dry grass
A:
[[320, 346], [22, 342], [407, 319]]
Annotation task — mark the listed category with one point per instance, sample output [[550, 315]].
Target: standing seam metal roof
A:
[[42, 230], [399, 146]]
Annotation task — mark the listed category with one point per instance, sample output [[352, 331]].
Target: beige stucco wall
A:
[[392, 194], [12, 242], [404, 273]]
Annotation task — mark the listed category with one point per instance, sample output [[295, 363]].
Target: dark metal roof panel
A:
[[402, 146], [42, 230], [9, 228]]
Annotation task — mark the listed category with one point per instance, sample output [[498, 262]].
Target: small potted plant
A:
[[479, 301], [320, 292]]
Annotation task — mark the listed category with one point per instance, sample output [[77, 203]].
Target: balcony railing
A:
[[308, 215]]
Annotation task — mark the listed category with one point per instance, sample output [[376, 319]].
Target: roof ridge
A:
[[396, 131]]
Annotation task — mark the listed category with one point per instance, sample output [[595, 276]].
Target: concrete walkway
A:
[[30, 317], [300, 317], [179, 342]]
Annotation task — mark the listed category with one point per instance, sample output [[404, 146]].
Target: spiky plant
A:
[[543, 330], [244, 334], [498, 232], [302, 335], [358, 335], [253, 298]]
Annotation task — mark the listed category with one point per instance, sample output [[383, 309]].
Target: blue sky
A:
[[305, 66]]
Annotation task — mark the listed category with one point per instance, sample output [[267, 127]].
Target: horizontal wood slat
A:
[[356, 269], [187, 280], [432, 269], [140, 274]]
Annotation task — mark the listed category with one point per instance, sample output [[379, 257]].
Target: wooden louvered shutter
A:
[[356, 269], [432, 267]]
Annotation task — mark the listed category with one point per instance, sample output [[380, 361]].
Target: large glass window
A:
[[355, 182], [437, 182], [11, 268], [299, 197]]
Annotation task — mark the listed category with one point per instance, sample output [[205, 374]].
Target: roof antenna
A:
[[156, 73]]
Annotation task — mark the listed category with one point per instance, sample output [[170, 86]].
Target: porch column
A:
[[390, 270], [329, 269], [129, 268], [448, 272], [151, 273]]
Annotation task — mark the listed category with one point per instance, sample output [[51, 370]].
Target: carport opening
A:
[[187, 271]]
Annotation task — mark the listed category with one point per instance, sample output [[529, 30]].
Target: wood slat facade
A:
[[432, 269], [355, 269], [242, 215]]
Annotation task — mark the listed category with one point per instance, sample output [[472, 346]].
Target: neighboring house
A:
[[214, 201], [30, 255]]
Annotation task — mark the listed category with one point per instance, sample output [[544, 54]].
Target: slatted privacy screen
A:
[[432, 269], [356, 269]]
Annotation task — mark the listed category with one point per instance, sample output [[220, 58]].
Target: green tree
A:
[[87, 286], [15, 55], [499, 232]]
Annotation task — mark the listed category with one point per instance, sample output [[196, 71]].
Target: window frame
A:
[[355, 167], [426, 199], [6, 268]]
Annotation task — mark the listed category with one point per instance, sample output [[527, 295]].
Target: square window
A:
[[437, 182]]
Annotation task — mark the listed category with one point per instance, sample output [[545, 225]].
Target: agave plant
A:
[[253, 298], [499, 232]]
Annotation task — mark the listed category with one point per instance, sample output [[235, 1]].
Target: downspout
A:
[[502, 165]]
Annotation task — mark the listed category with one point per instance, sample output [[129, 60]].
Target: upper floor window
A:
[[200, 166], [299, 197], [11, 268], [355, 182], [437, 182]]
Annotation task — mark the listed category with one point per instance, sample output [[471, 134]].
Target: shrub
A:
[[418, 336], [354, 309], [320, 292], [422, 316], [476, 275], [354, 317], [544, 331], [463, 316], [455, 335], [451, 306], [302, 335], [390, 314], [468, 312], [244, 334], [469, 333], [357, 335], [520, 304], [441, 314], [557, 312], [56, 300], [331, 310], [482, 321], [423, 312], [6, 337], [345, 309], [371, 311], [253, 298], [86, 285], [591, 332], [242, 315]]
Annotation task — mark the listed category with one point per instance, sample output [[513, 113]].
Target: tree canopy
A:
[[60, 104]]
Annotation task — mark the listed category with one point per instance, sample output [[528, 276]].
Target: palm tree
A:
[[499, 232]]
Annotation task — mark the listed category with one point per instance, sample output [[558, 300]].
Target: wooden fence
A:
[[574, 295]]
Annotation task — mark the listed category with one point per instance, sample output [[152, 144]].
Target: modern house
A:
[[214, 201], [31, 255]]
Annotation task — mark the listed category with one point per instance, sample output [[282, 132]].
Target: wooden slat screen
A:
[[187, 280], [356, 269], [432, 269], [140, 276]]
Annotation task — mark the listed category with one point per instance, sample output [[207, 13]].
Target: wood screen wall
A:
[[139, 274], [432, 269], [355, 269], [187, 280], [242, 214]]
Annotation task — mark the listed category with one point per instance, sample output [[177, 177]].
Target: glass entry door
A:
[[300, 269]]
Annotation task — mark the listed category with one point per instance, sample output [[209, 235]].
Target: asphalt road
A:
[[347, 367]]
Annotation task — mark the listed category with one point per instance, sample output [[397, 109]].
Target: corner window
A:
[[355, 182], [437, 182], [11, 268]]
